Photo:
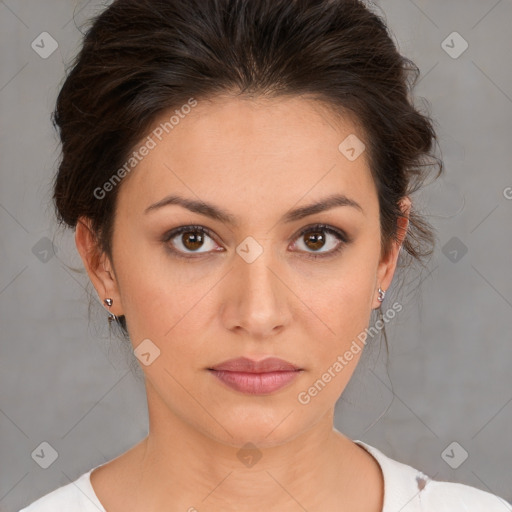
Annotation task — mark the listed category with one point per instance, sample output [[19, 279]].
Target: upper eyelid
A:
[[325, 227]]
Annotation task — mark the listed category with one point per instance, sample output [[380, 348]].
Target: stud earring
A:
[[111, 316], [382, 294]]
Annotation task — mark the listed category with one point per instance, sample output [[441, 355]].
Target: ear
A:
[[387, 265], [98, 265]]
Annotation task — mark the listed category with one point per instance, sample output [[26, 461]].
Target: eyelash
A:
[[343, 238]]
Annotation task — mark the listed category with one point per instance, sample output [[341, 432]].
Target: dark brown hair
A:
[[141, 58]]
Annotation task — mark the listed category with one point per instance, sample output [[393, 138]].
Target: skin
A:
[[257, 159]]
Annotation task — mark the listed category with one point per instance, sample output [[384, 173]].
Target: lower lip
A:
[[256, 383]]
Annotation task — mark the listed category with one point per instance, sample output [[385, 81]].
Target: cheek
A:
[[151, 301], [344, 308], [349, 307], [344, 298], [334, 356], [177, 317], [160, 308]]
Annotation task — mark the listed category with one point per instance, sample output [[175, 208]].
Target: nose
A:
[[256, 298]]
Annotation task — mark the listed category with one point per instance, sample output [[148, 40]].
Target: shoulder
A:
[[444, 496], [409, 490], [77, 496]]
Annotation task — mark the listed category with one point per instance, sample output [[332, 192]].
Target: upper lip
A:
[[243, 364]]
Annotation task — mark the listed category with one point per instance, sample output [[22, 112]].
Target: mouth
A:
[[256, 377], [256, 383]]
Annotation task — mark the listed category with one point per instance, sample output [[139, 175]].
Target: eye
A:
[[186, 240], [321, 236]]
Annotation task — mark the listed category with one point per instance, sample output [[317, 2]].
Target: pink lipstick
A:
[[256, 377]]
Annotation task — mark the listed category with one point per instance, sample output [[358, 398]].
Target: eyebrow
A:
[[216, 213]]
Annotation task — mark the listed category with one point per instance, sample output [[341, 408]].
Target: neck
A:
[[180, 467]]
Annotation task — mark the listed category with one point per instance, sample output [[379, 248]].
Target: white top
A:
[[405, 490]]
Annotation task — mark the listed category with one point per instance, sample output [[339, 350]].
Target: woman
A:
[[239, 177]]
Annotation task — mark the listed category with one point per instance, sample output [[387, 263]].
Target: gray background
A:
[[65, 382]]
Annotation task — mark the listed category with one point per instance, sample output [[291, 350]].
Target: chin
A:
[[264, 431]]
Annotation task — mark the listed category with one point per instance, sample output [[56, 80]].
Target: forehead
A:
[[250, 153]]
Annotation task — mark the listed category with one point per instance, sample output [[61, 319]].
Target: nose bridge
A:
[[256, 266], [260, 303], [256, 269]]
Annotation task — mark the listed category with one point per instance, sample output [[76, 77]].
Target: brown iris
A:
[[192, 240], [316, 238]]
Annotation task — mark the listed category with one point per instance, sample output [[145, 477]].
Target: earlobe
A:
[[97, 264]]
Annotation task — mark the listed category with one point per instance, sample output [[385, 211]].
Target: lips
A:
[[256, 377], [245, 365]]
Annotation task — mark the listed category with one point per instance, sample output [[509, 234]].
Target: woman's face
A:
[[251, 285]]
